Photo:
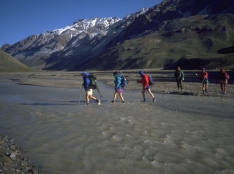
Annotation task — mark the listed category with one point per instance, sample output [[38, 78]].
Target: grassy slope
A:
[[194, 37], [9, 64]]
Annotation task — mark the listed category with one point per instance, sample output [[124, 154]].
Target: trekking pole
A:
[[202, 80], [80, 94], [99, 92]]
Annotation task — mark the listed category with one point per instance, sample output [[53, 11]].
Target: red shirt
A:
[[204, 75], [144, 80]]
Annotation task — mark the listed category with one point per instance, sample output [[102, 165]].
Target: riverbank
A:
[[11, 159], [164, 81]]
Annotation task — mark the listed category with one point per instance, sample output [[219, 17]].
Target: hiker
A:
[[223, 76], [118, 87], [146, 87], [88, 89], [204, 79], [179, 76]]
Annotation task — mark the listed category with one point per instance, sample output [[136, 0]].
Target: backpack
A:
[[93, 81], [227, 75], [124, 81], [151, 82]]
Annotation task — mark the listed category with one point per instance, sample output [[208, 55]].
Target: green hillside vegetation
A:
[[182, 40], [9, 64]]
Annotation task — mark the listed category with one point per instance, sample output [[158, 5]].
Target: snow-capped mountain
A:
[[97, 43], [83, 35]]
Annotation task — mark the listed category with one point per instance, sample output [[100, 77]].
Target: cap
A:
[[85, 74], [141, 72]]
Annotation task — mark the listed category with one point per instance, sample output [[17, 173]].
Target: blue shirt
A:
[[117, 81]]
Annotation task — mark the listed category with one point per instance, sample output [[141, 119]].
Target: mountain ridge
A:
[[84, 45]]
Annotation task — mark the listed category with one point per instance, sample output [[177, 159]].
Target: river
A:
[[176, 134]]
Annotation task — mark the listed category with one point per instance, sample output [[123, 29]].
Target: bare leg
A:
[[150, 93], [92, 97], [143, 93], [114, 97], [203, 87], [121, 96], [178, 86], [206, 87], [181, 85], [224, 87], [221, 86], [87, 98]]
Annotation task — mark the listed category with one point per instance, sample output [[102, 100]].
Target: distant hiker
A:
[[146, 87], [88, 89], [179, 76], [223, 76], [204, 79], [118, 87]]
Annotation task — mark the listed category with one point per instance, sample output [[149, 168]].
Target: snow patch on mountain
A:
[[83, 36]]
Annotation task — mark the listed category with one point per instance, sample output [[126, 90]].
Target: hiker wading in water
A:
[[118, 87], [204, 79], [88, 89], [179, 76], [223, 76], [146, 87]]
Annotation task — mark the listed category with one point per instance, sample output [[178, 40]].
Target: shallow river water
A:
[[177, 134]]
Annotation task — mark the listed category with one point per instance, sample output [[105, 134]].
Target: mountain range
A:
[[189, 33]]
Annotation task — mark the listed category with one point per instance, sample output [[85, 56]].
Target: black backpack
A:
[[93, 81]]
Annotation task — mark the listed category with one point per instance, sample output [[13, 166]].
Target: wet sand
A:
[[29, 112]]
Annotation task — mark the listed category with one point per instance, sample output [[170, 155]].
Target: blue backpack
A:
[[151, 81], [124, 81]]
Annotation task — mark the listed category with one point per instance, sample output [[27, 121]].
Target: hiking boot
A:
[[99, 102], [154, 100], [112, 101], [143, 100]]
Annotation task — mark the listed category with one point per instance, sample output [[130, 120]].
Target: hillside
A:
[[192, 42], [10, 64], [192, 33]]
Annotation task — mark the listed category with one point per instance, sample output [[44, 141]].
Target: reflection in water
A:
[[177, 134]]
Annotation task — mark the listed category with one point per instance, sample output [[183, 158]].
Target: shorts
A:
[[119, 90], [148, 87], [89, 92], [224, 81], [206, 81]]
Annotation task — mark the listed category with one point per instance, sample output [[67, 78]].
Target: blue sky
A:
[[22, 18]]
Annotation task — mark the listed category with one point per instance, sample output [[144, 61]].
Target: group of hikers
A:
[[89, 83], [120, 82], [223, 77]]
